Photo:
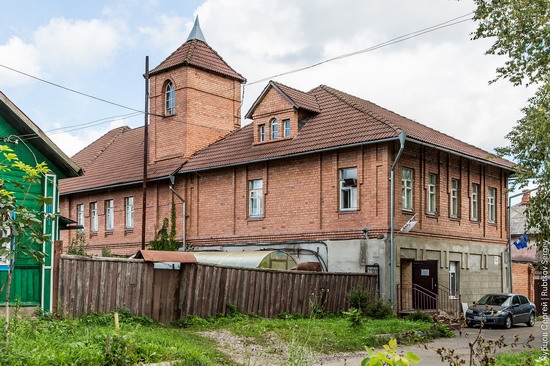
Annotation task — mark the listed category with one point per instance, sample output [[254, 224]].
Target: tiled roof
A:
[[297, 98], [114, 159], [343, 120], [200, 55]]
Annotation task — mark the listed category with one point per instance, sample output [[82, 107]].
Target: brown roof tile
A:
[[117, 159], [343, 120], [198, 54]]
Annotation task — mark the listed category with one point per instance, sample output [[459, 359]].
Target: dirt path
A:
[[274, 352]]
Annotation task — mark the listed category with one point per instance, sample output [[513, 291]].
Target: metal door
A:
[[424, 280]]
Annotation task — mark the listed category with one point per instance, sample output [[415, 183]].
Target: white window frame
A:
[[255, 198], [4, 262], [348, 189], [274, 129], [169, 99], [454, 282], [261, 133], [129, 212], [455, 190], [407, 189], [80, 214], [491, 204], [94, 218], [109, 215], [475, 202], [432, 194], [286, 128]]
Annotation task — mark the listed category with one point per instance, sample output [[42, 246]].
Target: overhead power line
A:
[[448, 23]]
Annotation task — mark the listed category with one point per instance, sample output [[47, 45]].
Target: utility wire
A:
[[402, 38]]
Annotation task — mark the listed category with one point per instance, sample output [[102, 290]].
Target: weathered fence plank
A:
[[105, 284]]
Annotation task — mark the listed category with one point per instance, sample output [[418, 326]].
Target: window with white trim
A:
[[261, 133], [491, 205], [274, 129], [455, 193], [432, 194], [348, 189], [109, 215], [129, 212], [5, 231], [80, 214], [94, 219], [169, 99], [475, 202], [255, 198], [407, 188], [286, 128], [453, 279]]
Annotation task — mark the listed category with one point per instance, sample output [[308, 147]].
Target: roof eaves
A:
[[48, 147]]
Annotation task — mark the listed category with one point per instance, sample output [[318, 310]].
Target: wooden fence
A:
[[91, 285]]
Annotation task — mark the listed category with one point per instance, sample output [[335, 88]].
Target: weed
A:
[[354, 316], [421, 316], [78, 245], [106, 251], [369, 304]]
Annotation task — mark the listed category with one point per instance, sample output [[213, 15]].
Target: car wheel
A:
[[508, 322], [531, 321]]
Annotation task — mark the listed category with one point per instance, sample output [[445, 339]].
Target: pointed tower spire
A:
[[196, 32]]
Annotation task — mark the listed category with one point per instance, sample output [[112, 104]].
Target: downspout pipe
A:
[[172, 178], [509, 247], [402, 138]]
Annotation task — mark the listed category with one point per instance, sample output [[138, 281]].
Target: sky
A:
[[440, 79]]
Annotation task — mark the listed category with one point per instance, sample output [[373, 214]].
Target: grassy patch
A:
[[518, 358], [325, 335], [94, 341]]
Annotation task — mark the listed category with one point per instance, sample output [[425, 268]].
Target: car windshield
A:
[[497, 300]]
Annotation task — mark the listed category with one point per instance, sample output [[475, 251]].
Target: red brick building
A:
[[309, 175]]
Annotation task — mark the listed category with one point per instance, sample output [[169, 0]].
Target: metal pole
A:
[[145, 153], [402, 137]]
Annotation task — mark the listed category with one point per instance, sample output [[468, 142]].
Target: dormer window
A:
[[274, 129], [169, 99], [261, 133], [286, 128]]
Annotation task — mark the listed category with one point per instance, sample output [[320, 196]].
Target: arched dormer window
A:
[[274, 129], [169, 99]]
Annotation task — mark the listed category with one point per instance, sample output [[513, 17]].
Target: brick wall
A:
[[523, 278]]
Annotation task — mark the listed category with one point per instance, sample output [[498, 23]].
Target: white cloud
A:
[[71, 142], [22, 56], [169, 33], [81, 44]]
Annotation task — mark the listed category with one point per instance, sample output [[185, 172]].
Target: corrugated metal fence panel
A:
[[89, 285]]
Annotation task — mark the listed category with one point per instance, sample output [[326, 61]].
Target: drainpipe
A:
[[172, 181], [402, 137], [509, 247]]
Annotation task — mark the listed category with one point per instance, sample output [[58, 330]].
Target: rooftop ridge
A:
[[107, 144], [358, 107]]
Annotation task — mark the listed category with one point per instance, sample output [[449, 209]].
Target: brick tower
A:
[[195, 99]]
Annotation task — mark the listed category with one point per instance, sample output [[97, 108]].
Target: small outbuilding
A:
[[272, 259]]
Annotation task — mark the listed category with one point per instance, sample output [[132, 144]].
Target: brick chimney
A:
[[526, 197]]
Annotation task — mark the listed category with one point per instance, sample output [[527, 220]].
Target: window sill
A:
[[108, 232], [474, 221], [454, 218], [407, 211], [347, 212], [492, 224], [255, 218], [433, 215], [128, 230], [93, 233]]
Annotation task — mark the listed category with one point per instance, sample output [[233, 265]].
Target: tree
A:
[[521, 29], [20, 227]]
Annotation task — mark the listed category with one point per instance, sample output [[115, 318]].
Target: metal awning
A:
[[166, 256], [68, 224]]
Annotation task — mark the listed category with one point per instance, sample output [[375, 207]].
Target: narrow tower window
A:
[[169, 99]]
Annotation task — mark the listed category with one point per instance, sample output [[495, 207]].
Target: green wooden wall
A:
[[31, 283]]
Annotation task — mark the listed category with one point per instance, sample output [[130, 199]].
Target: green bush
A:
[[421, 316], [354, 316], [369, 304]]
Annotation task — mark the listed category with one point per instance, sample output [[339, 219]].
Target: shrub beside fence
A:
[[90, 285]]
